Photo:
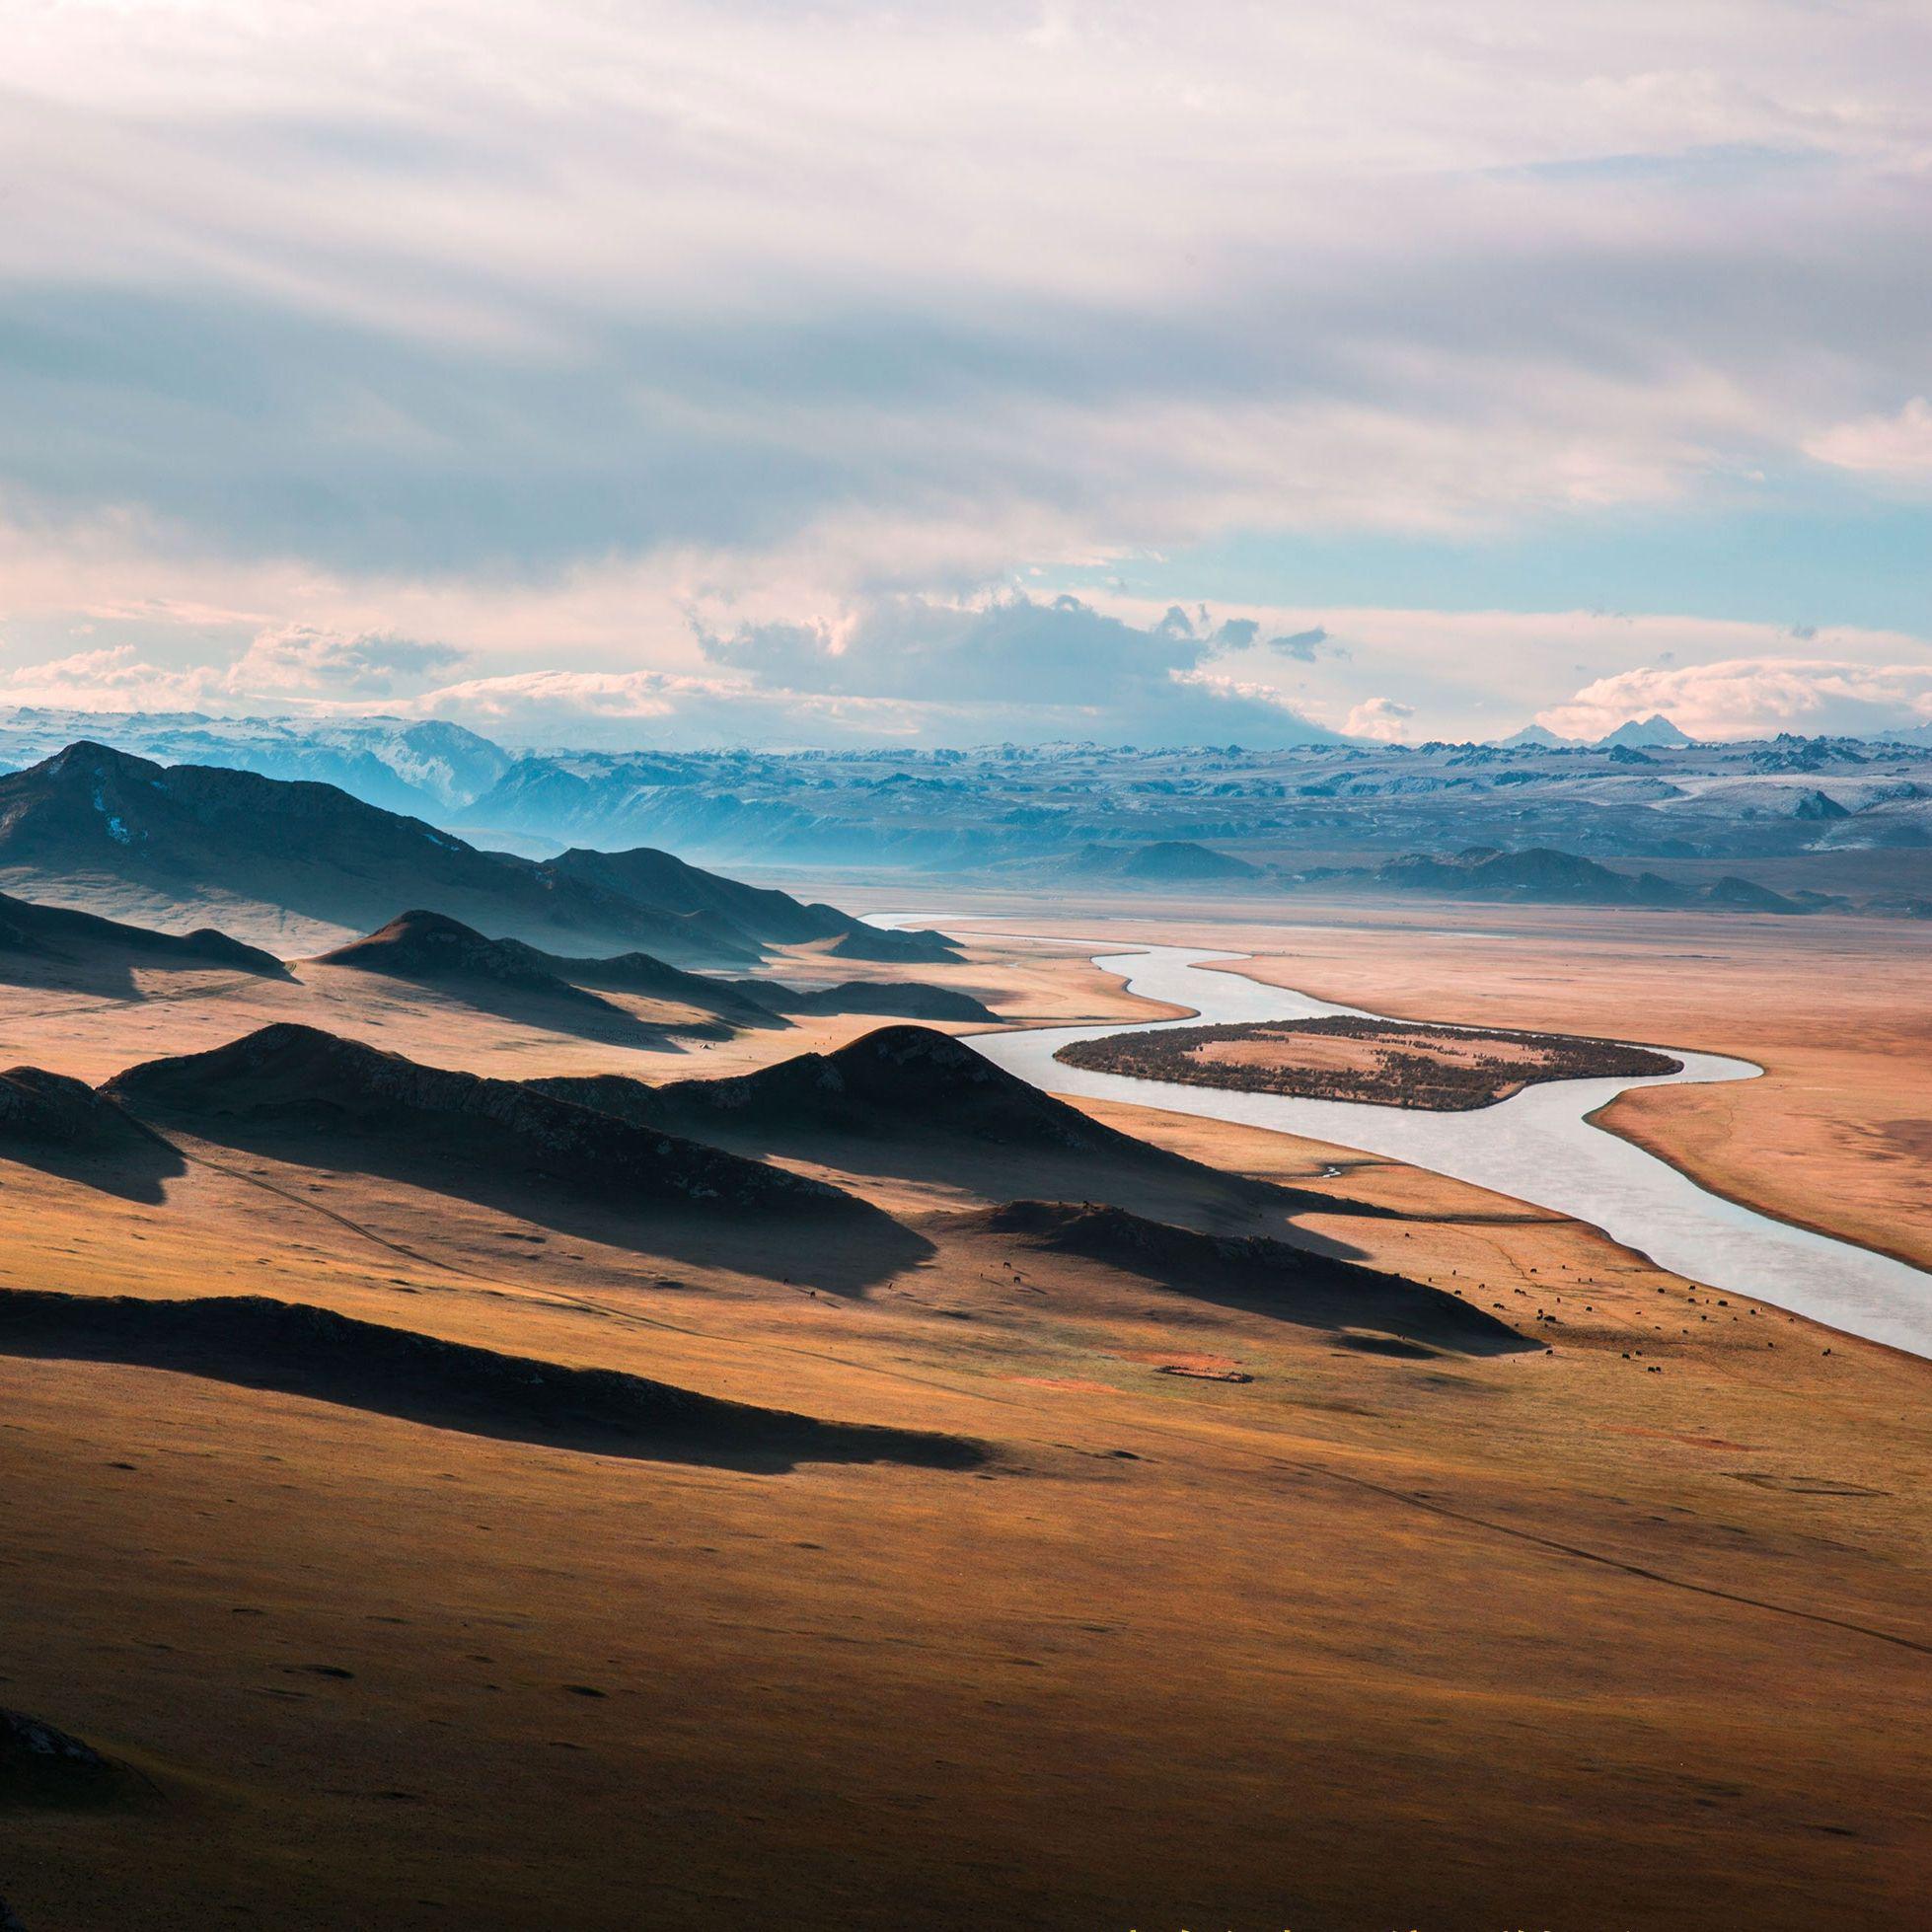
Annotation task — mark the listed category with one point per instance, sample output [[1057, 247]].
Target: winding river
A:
[[1539, 1146]]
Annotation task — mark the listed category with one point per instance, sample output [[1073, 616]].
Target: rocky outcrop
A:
[[39, 1109], [42, 1765]]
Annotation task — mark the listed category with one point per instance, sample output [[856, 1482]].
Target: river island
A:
[[1380, 1062]]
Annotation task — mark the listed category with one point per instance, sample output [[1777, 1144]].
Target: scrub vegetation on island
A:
[[1384, 1063]]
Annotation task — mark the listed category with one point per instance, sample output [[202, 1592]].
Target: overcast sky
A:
[[661, 373]]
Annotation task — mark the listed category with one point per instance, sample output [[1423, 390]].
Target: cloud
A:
[[889, 669], [1883, 445], [1749, 697], [1381, 718], [114, 678], [297, 658], [293, 666], [623, 284], [1017, 666], [1302, 646]]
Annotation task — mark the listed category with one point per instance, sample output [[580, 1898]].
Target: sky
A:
[[629, 374]]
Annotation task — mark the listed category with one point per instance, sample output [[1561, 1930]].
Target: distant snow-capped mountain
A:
[[403, 765], [1644, 734]]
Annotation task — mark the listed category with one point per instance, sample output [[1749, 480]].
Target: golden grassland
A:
[[1429, 1639]]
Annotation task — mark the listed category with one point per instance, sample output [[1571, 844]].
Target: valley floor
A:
[[1627, 1633], [1837, 1135]]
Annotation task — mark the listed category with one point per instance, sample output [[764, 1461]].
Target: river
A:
[[1541, 1145]]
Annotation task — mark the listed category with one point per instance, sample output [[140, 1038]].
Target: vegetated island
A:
[[1383, 1062]]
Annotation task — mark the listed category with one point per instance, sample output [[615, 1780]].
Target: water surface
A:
[[1539, 1146]]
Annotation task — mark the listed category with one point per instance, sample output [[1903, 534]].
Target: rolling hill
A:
[[433, 950], [98, 827], [883, 998], [255, 1342], [1542, 876], [907, 1099], [47, 940], [302, 1084], [658, 879], [1167, 861]]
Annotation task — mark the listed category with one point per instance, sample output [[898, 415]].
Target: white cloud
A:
[[1749, 697], [1887, 445], [115, 678], [1382, 718], [1017, 666], [300, 659], [290, 667], [559, 289], [538, 328]]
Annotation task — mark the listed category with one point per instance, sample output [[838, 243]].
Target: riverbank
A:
[[1834, 1138], [1838, 1012]]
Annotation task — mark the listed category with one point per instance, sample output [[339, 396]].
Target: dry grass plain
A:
[[1429, 1639]]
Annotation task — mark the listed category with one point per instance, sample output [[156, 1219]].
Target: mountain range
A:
[[434, 949], [1840, 815], [99, 826]]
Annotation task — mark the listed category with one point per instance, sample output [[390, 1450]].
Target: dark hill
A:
[[299, 1350], [107, 825], [736, 1001], [422, 945], [658, 879], [894, 1079], [39, 1109], [906, 1100], [62, 1126], [55, 934], [42, 1766], [300, 1080], [610, 1093], [888, 999], [894, 1082], [1268, 1275], [874, 942], [1746, 896], [1541, 875], [1544, 876], [1177, 859], [433, 950]]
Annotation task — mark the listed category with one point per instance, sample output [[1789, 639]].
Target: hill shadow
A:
[[843, 1248], [299, 1095], [568, 1011], [54, 946], [1261, 1276], [136, 1171], [1183, 1190], [59, 1126], [110, 976], [295, 1348]]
